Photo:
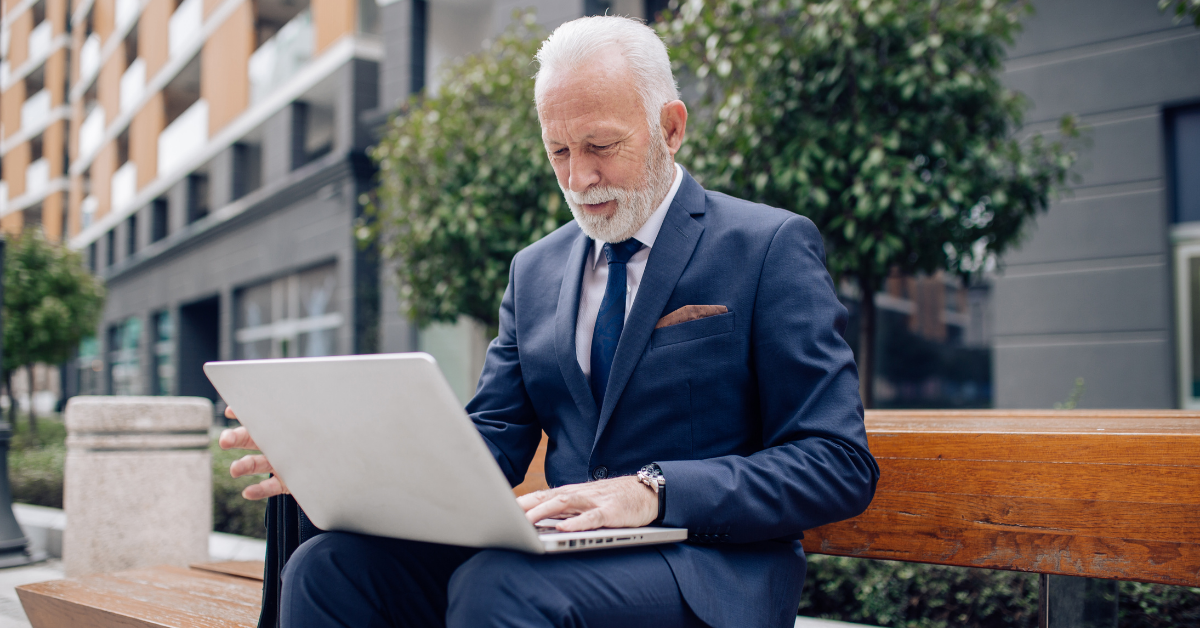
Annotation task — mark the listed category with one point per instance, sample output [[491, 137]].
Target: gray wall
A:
[[1089, 292]]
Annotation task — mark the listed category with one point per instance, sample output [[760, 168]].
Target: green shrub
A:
[[35, 470], [35, 464], [36, 474], [1144, 605], [912, 595], [232, 513]]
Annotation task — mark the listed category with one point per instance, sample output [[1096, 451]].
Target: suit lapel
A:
[[564, 329], [673, 248]]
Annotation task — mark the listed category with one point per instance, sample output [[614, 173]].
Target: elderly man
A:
[[682, 351]]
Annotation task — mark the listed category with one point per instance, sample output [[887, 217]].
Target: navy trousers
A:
[[357, 581]]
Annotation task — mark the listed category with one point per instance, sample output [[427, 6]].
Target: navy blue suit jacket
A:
[[753, 415]]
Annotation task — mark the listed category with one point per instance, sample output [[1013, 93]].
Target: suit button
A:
[[599, 473]]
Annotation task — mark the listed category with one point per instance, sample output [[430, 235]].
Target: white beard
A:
[[634, 205]]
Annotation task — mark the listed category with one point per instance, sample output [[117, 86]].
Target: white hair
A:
[[575, 43]]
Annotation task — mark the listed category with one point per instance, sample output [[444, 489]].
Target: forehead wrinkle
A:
[[583, 108]]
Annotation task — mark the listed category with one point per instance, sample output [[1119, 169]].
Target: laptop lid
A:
[[376, 444]]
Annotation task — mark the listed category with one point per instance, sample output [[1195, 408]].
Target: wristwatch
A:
[[651, 475]]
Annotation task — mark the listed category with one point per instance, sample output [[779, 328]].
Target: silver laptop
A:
[[379, 444]]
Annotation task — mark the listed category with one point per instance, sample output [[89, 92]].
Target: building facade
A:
[[1105, 287], [207, 157]]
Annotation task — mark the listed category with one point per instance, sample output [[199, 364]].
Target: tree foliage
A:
[[885, 122], [464, 182], [50, 302], [1184, 10]]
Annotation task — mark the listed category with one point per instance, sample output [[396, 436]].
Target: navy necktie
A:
[[611, 319]]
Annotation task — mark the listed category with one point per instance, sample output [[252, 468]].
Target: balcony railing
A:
[[40, 39], [133, 84], [88, 209], [185, 25], [37, 177], [183, 138], [35, 110], [280, 57], [127, 12], [89, 57], [91, 133], [124, 186]]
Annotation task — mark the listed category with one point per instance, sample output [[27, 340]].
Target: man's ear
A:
[[674, 124]]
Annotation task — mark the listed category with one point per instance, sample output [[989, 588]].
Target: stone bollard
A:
[[138, 486]]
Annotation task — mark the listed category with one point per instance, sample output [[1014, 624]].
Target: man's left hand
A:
[[622, 502]]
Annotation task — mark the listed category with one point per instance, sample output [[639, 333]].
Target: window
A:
[[294, 316], [247, 169], [197, 196], [654, 8], [1183, 146], [597, 7], [164, 353], [131, 235], [1183, 140], [91, 367], [124, 340], [111, 252], [158, 219], [312, 132]]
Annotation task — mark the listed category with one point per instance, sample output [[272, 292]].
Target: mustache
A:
[[597, 195]]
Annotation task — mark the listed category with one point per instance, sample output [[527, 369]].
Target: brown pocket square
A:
[[690, 313]]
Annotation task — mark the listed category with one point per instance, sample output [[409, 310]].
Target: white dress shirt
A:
[[595, 278]]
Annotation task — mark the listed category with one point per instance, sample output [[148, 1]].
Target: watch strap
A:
[[652, 476]]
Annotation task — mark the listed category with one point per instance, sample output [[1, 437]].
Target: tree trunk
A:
[[866, 342], [33, 433]]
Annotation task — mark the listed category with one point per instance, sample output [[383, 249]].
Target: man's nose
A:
[[584, 174]]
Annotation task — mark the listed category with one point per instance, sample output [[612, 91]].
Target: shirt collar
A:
[[649, 231]]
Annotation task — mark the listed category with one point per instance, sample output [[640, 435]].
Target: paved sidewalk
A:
[[11, 613], [809, 622]]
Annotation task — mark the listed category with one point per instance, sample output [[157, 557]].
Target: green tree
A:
[[884, 121], [464, 182], [1183, 9], [50, 303]]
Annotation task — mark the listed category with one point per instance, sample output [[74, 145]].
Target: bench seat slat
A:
[[151, 597]]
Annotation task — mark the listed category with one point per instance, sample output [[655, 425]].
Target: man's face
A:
[[608, 163]]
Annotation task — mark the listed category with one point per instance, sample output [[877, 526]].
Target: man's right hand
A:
[[239, 438]]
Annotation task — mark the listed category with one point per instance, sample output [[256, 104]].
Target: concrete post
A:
[[138, 486]]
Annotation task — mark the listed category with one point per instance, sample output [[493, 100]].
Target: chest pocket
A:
[[693, 330]]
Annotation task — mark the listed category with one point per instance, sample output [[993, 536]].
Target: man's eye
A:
[[605, 147]]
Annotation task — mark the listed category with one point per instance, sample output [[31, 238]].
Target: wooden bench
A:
[[1104, 494], [210, 595]]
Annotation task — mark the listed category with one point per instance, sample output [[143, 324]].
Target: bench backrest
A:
[[1105, 494]]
